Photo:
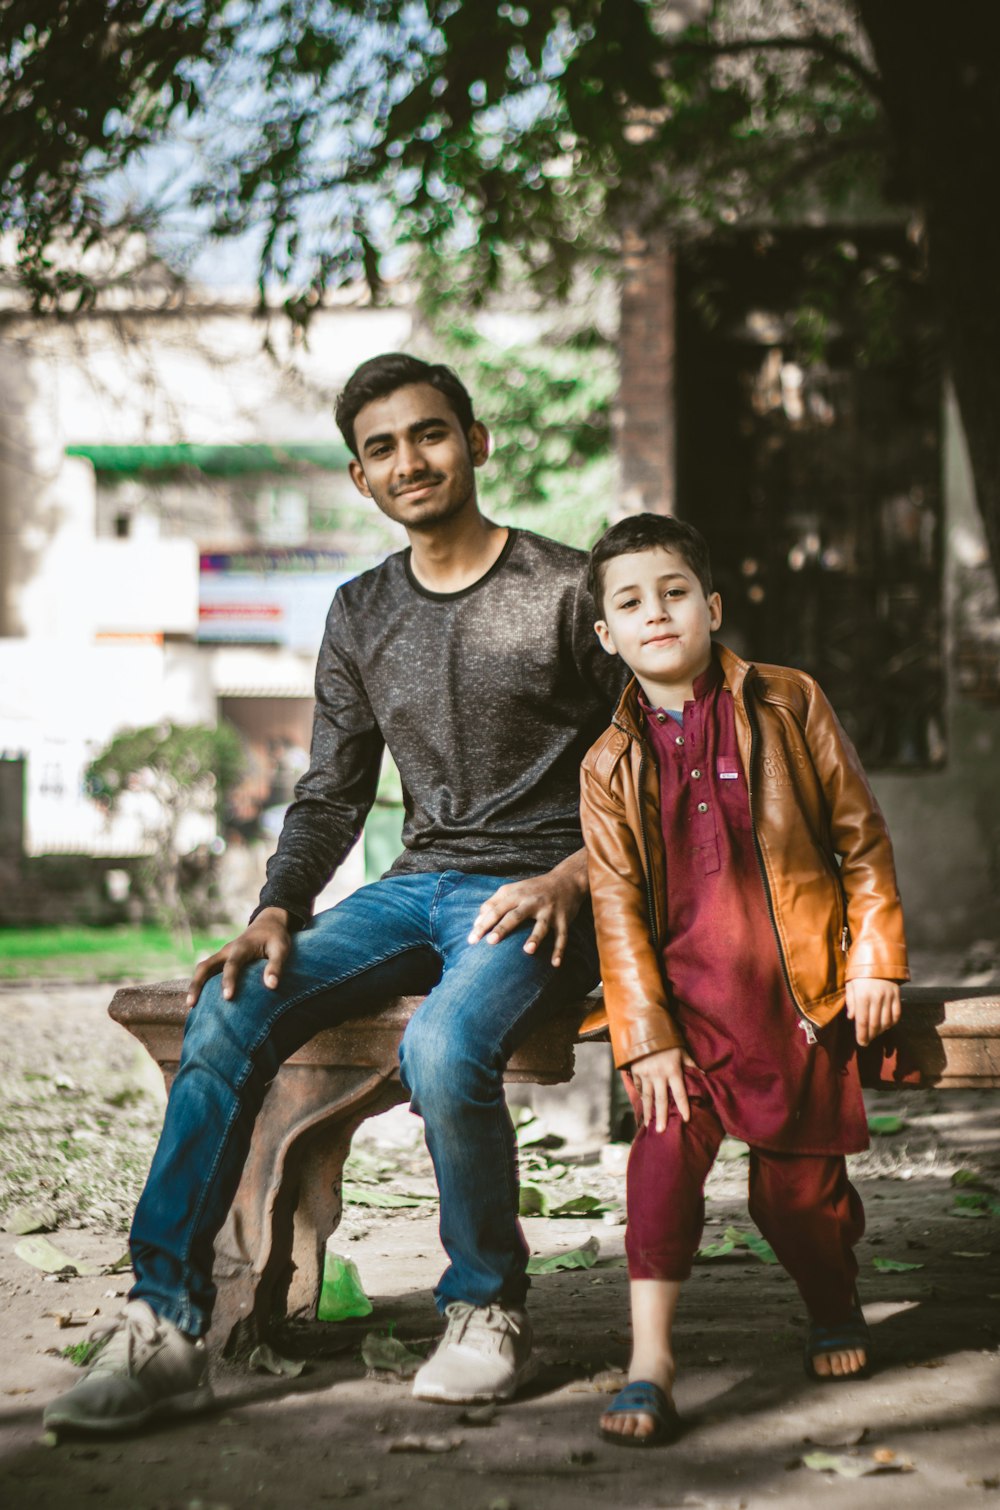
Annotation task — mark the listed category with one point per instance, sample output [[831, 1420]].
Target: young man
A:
[[471, 656], [744, 893]]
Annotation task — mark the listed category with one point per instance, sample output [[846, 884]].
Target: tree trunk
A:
[[940, 68]]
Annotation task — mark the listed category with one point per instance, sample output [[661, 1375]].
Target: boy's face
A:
[[657, 618], [416, 462]]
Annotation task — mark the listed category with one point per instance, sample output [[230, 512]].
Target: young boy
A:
[[743, 888]]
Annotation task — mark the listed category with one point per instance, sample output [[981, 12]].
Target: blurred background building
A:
[[176, 514]]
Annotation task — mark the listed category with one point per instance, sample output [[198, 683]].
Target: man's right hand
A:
[[267, 937]]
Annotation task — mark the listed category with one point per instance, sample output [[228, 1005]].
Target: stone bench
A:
[[269, 1255]]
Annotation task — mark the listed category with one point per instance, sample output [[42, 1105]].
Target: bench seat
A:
[[269, 1255]]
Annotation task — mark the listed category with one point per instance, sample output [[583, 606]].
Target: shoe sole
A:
[[174, 1405], [440, 1395]]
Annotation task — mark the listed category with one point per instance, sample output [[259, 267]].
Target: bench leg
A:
[[319, 1206], [288, 1201]]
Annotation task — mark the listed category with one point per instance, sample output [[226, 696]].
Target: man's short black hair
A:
[[382, 375], [645, 532]]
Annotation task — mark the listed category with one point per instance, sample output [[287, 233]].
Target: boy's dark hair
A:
[[382, 375], [644, 532]]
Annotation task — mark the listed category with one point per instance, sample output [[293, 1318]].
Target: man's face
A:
[[415, 460], [657, 618]]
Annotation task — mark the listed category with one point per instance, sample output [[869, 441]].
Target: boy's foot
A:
[[147, 1367], [641, 1415], [485, 1354], [839, 1352]]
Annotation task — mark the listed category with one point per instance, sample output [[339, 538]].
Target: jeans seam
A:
[[330, 985]]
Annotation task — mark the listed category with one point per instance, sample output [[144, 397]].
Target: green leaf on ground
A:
[[834, 1462], [584, 1257], [970, 1177], [389, 1356], [758, 1246], [372, 1195], [886, 1123], [24, 1219], [893, 1265], [81, 1353], [42, 1254], [716, 1250], [533, 1201], [581, 1205], [972, 1200]]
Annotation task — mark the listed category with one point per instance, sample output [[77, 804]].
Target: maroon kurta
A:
[[768, 1084]]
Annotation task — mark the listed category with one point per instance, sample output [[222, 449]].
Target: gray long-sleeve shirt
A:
[[487, 698]]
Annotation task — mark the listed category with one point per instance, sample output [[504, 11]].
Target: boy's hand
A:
[[654, 1075], [873, 1006]]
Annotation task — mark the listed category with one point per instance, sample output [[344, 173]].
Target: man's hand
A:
[[657, 1075], [553, 900], [873, 1006], [266, 938]]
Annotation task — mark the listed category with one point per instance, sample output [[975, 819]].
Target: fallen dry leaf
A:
[[265, 1360], [479, 1415], [856, 1467], [425, 1444], [42, 1254]]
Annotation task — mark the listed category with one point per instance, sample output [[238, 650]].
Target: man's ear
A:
[[358, 477], [480, 442], [714, 612], [604, 635]]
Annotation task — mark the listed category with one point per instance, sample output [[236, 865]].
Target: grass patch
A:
[[110, 954]]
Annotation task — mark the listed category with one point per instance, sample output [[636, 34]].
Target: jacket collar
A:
[[735, 672]]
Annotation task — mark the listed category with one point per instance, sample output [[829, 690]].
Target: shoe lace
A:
[[123, 1341], [463, 1317]]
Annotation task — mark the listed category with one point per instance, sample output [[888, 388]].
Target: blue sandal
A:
[[648, 1399], [848, 1335]]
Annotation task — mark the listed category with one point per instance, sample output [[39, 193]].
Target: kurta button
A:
[[661, 718], [679, 740], [695, 775], [703, 807]]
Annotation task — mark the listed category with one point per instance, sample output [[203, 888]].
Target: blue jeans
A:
[[405, 934]]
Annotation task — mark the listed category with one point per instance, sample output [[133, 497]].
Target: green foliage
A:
[[181, 763], [178, 769], [547, 402], [343, 128]]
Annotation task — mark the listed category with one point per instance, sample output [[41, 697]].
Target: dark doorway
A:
[[809, 415]]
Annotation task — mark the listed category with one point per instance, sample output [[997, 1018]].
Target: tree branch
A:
[[814, 42]]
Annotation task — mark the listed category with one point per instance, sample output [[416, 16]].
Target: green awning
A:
[[216, 461]]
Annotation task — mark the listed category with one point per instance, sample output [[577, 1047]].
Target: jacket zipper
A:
[[805, 1023]]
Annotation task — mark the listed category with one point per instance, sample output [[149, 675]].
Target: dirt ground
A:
[[78, 1114]]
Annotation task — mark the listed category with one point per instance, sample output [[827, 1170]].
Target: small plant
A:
[[82, 1353], [183, 769]]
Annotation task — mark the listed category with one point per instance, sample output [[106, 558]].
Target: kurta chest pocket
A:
[[731, 789]]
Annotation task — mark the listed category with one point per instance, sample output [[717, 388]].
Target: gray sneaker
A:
[[485, 1354], [146, 1368]]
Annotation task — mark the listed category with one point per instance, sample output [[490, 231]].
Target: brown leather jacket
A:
[[822, 843]]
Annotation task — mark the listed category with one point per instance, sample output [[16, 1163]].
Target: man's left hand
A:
[[553, 900], [874, 1007]]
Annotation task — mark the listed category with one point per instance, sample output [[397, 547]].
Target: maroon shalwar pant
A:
[[804, 1205]]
